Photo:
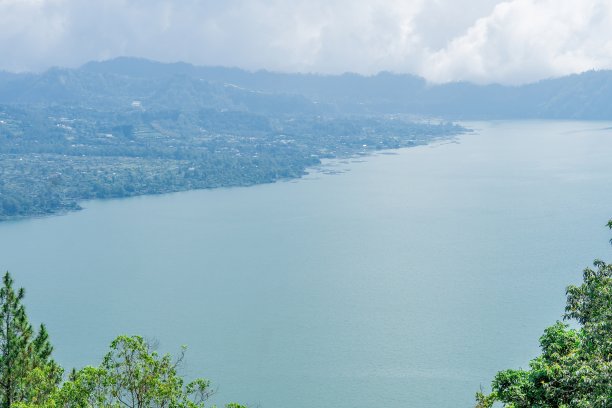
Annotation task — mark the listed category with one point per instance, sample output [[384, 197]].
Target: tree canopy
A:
[[25, 355], [575, 367], [131, 375]]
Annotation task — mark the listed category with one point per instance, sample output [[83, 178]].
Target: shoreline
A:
[[77, 205]]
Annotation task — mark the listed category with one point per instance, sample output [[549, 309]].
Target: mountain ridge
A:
[[577, 96]]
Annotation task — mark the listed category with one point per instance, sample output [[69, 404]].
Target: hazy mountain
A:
[[119, 82], [582, 96], [152, 86]]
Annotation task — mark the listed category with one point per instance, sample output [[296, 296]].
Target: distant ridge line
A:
[[586, 96]]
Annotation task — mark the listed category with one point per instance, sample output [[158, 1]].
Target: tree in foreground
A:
[[575, 367], [131, 375], [27, 372]]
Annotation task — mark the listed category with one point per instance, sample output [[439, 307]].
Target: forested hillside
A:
[[129, 126], [69, 135], [579, 96]]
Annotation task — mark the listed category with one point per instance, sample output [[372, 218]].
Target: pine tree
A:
[[25, 357]]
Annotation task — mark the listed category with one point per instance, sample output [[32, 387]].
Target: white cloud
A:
[[483, 40], [524, 40]]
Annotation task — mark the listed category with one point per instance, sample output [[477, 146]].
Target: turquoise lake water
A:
[[406, 280]]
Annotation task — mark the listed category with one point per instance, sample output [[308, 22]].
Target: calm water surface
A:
[[406, 281]]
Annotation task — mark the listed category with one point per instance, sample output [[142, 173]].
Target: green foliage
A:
[[27, 372], [131, 375], [575, 367], [485, 401]]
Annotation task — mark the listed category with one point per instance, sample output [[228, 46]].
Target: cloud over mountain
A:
[[442, 40]]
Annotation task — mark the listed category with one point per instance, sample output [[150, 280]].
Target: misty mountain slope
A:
[[579, 96], [118, 82]]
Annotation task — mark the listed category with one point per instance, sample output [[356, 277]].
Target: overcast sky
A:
[[484, 41]]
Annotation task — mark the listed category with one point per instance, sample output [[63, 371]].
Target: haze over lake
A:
[[406, 280]]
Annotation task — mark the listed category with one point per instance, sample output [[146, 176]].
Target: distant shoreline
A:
[[76, 204]]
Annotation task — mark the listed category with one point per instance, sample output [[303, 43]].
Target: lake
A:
[[404, 280]]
